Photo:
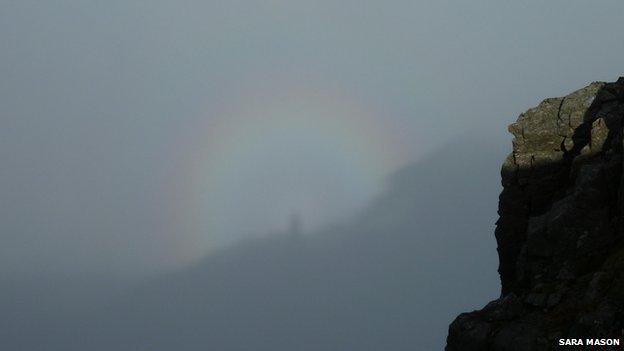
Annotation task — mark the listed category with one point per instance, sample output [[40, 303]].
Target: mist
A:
[[161, 144]]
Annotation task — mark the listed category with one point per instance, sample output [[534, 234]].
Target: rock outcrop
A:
[[560, 229]]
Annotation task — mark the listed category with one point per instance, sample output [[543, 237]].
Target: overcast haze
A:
[[141, 137]]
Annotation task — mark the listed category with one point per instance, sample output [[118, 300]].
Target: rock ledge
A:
[[560, 231]]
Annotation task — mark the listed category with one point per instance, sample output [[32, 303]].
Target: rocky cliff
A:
[[560, 230]]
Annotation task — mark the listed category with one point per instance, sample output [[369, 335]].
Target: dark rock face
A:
[[560, 229]]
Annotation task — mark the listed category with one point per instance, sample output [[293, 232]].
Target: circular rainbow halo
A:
[[264, 157]]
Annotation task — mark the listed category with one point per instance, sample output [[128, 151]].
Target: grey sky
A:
[[97, 96]]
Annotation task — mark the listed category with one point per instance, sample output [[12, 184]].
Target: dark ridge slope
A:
[[559, 233], [373, 283], [385, 280]]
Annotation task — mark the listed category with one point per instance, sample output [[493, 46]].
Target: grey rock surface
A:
[[559, 233]]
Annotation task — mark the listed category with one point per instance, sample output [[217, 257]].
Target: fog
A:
[[156, 153]]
